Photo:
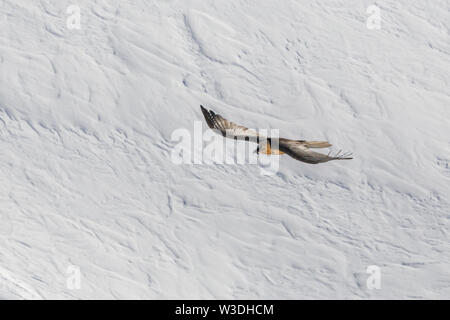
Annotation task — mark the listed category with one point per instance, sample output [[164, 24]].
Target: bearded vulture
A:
[[297, 149]]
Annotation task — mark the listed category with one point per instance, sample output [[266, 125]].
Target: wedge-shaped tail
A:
[[317, 144]]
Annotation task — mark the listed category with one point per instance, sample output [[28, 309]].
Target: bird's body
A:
[[297, 149], [266, 148]]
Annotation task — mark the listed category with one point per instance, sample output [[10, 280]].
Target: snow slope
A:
[[86, 177]]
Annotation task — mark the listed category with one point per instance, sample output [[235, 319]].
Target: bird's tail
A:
[[317, 144]]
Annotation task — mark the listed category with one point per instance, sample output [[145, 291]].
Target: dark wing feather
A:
[[227, 128]]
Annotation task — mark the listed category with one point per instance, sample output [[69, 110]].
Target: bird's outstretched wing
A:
[[227, 128], [299, 150]]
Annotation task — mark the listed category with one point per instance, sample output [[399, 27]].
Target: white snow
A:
[[86, 177]]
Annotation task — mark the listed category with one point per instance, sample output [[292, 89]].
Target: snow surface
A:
[[86, 118]]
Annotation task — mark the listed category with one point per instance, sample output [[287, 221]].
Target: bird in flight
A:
[[297, 149]]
